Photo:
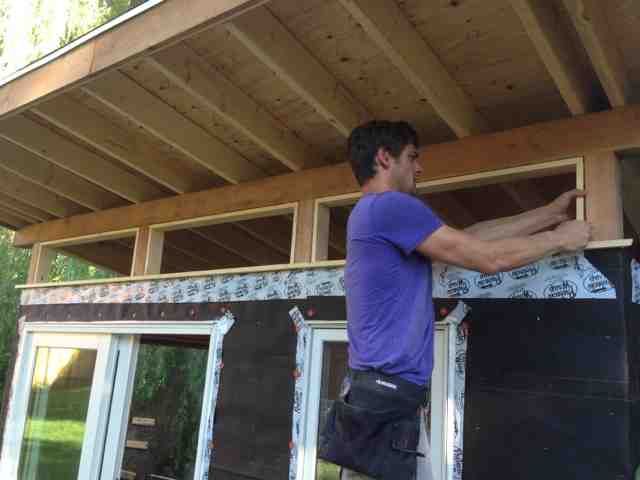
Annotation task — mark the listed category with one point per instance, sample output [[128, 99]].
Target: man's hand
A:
[[560, 206], [574, 234]]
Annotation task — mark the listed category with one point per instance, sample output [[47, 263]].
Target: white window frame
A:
[[104, 441], [442, 403]]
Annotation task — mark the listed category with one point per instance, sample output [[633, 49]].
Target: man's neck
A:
[[375, 186]]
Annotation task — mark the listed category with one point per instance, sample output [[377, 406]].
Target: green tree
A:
[[35, 28], [14, 264]]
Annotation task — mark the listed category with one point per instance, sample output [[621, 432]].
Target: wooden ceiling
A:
[[278, 88]]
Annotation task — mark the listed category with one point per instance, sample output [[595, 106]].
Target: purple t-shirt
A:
[[388, 286]]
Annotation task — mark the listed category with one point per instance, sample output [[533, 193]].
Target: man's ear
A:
[[383, 159]]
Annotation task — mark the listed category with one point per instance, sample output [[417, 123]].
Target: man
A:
[[392, 237]]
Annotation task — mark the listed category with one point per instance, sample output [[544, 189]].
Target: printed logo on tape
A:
[[528, 271], [523, 293], [596, 282], [457, 287], [486, 280], [561, 289]]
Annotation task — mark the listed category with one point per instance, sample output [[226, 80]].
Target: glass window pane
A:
[[57, 413], [166, 407], [334, 369]]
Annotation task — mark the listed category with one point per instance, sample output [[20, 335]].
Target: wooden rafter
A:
[[25, 209], [272, 231], [8, 207], [388, 27], [617, 129], [168, 22], [12, 218], [269, 40], [590, 20], [35, 169], [200, 248], [451, 210], [556, 50], [211, 89], [132, 150], [524, 196], [237, 241], [111, 256], [63, 152], [16, 187], [125, 96]]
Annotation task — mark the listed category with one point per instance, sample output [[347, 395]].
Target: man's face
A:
[[404, 170]]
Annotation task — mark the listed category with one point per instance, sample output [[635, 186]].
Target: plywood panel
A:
[[333, 36], [174, 159], [244, 70], [184, 103], [485, 48]]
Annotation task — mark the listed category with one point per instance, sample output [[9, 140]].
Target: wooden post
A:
[[604, 197], [147, 253], [302, 243], [41, 260], [322, 220]]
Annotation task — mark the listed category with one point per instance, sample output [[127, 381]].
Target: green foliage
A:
[[14, 265], [67, 269], [169, 384], [50, 24]]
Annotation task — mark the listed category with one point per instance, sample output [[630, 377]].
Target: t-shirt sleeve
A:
[[404, 220]]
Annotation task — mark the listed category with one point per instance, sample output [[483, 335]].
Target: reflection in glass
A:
[[57, 412], [166, 407], [334, 369]]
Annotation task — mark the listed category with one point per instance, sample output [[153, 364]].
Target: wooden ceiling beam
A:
[[269, 40], [241, 244], [111, 256], [524, 195], [63, 152], [557, 51], [276, 232], [8, 207], [16, 187], [391, 31], [131, 100], [451, 210], [590, 133], [590, 19], [36, 169], [206, 254], [12, 218], [604, 202], [129, 148], [210, 88], [25, 209], [168, 22]]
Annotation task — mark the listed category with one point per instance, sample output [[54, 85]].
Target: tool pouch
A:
[[373, 430]]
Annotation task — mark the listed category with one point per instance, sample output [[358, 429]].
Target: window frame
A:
[[441, 397], [111, 390], [570, 165]]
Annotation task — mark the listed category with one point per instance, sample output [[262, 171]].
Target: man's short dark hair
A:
[[365, 140]]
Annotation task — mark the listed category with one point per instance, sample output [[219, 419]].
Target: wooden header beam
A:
[[169, 22], [577, 136]]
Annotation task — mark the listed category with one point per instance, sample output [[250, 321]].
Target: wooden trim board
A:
[[623, 243]]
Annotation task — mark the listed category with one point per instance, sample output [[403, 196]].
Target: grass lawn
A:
[[55, 441]]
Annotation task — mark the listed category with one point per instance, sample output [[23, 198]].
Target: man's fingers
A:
[[578, 193]]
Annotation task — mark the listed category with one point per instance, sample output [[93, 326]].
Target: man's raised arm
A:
[[527, 223], [457, 247]]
